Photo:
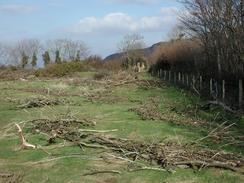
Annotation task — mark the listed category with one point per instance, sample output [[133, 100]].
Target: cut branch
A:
[[24, 143]]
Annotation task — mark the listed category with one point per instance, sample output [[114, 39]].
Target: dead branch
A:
[[24, 143], [39, 102], [218, 103], [102, 171], [201, 164], [97, 131], [149, 168]]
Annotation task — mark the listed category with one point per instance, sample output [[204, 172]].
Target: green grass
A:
[[108, 116]]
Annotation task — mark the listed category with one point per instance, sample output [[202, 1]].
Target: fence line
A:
[[209, 87]]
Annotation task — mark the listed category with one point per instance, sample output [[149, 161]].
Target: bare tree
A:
[[68, 49], [131, 43], [130, 48], [219, 26], [177, 33], [27, 47], [72, 48]]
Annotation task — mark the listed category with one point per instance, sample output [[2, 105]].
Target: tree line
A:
[[208, 41], [27, 52]]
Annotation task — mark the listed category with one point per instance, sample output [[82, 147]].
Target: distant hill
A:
[[146, 52]]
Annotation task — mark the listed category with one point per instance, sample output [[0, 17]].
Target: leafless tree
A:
[[178, 32], [130, 48], [219, 26], [131, 43], [68, 49]]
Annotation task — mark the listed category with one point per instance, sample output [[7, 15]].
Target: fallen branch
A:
[[97, 131], [221, 104], [103, 171], [149, 168], [24, 144], [97, 146], [58, 158], [202, 164]]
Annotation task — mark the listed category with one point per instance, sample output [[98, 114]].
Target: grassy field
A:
[[111, 110]]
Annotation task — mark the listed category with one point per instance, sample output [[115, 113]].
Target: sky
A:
[[101, 24]]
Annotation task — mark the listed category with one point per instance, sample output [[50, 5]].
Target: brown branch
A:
[[102, 171], [213, 164]]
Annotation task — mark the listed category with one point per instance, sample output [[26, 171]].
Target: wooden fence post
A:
[[200, 85], [164, 75], [223, 90], [175, 77], [193, 80], [187, 80], [179, 77], [169, 76], [211, 87], [240, 92]]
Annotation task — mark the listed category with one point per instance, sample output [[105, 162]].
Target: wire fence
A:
[[228, 91]]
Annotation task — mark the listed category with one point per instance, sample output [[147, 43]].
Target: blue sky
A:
[[101, 24]]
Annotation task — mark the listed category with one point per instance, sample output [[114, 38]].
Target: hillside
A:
[[146, 52]]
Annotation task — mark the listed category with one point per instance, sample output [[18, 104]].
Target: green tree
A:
[[34, 60], [57, 57], [46, 58], [24, 59]]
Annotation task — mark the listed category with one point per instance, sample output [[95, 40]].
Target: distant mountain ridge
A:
[[146, 52]]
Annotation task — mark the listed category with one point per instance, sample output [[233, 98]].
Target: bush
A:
[[100, 75], [59, 70]]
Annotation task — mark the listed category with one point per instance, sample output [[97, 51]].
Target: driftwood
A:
[[24, 143]]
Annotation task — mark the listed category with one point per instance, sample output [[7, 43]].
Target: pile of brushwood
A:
[[125, 78], [164, 155], [102, 90], [150, 110], [40, 102], [11, 177]]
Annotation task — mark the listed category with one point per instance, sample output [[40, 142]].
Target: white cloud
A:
[[169, 10], [141, 2], [17, 8], [114, 23]]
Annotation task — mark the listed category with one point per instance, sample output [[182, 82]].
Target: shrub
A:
[[100, 75], [59, 70]]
